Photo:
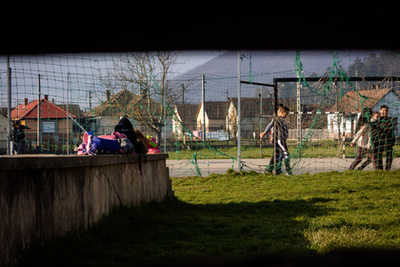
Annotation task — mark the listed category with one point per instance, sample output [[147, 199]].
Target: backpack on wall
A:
[[143, 146], [124, 126]]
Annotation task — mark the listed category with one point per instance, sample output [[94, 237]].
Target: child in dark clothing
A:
[[281, 149]]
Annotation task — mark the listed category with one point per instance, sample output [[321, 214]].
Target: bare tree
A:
[[146, 75]]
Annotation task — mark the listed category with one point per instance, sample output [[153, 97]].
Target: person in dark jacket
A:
[[18, 139], [281, 152], [386, 139]]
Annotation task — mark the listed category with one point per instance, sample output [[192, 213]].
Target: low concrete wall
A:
[[45, 196]]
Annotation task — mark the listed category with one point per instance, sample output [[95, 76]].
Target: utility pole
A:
[[275, 135], [238, 116], [338, 120], [90, 100], [203, 93], [229, 118], [260, 119], [68, 85], [299, 113], [38, 113], [183, 114], [8, 106]]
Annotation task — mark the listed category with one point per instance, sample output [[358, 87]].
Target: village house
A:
[[215, 120], [250, 116], [344, 114], [221, 118], [185, 115], [56, 127], [103, 118], [142, 111], [145, 113], [75, 110]]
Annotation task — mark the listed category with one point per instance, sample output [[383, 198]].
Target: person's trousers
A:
[[278, 158], [360, 153], [379, 156]]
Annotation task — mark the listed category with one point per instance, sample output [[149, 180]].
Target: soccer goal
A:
[[335, 123]]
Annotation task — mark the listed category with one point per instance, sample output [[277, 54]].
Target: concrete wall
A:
[[45, 196]]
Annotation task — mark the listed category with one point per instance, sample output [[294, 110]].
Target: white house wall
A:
[[176, 125], [199, 119], [333, 128], [231, 118]]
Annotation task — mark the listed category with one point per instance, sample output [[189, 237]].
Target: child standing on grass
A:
[[363, 139], [281, 152], [269, 128]]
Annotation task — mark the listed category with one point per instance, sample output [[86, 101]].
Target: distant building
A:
[[346, 112], [185, 115], [143, 112], [250, 115], [215, 119], [103, 118], [55, 123]]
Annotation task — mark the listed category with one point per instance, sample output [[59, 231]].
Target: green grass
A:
[[329, 211], [323, 150], [239, 215], [221, 153]]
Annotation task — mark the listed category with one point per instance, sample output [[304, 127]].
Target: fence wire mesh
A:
[[90, 92]]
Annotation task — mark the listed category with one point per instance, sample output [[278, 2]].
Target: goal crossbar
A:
[[326, 79]]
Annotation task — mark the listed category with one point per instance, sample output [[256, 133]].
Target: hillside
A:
[[263, 66], [276, 61]]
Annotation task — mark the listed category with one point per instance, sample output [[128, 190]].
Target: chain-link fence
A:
[[55, 98]]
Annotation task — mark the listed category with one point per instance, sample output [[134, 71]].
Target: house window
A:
[[49, 127]]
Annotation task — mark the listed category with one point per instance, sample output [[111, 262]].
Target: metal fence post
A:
[[203, 93], [239, 117], [8, 106]]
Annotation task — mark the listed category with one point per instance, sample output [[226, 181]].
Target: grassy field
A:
[[238, 215], [323, 150]]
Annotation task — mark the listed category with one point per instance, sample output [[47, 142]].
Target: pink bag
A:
[[153, 150]]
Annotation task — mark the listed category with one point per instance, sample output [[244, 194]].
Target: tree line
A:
[[384, 64]]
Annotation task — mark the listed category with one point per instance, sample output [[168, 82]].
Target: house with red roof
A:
[[347, 110], [55, 123]]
